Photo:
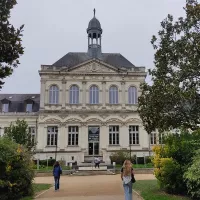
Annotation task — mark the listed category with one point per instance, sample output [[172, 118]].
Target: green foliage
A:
[[172, 160], [10, 41], [20, 134], [120, 156], [16, 172], [173, 101], [192, 177]]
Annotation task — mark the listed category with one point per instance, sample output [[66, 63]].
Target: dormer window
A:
[[29, 107], [5, 107]]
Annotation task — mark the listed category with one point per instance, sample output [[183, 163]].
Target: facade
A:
[[87, 105]]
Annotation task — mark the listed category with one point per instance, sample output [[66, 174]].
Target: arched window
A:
[[74, 94], [53, 94], [113, 95], [94, 94], [132, 95]]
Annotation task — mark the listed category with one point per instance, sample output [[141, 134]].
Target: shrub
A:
[[172, 160], [192, 177], [16, 171], [120, 156]]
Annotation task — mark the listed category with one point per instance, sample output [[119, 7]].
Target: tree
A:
[[173, 100], [20, 134], [10, 41], [16, 171]]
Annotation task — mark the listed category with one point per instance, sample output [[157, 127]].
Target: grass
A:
[[38, 188], [149, 190], [50, 169], [149, 165]]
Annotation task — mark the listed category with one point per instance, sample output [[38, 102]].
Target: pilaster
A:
[[63, 93]]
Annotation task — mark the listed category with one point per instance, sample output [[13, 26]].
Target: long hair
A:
[[127, 168], [56, 164]]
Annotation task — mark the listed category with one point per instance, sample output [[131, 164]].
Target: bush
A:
[[120, 156], [172, 160], [51, 162], [16, 171], [192, 177]]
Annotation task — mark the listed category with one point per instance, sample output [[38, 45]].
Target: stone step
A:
[[92, 168]]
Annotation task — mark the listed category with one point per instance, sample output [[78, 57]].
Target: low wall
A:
[[117, 171]]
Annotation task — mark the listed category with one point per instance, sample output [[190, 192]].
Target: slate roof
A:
[[72, 59], [17, 102]]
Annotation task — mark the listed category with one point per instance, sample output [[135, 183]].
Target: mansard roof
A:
[[17, 101], [72, 59]]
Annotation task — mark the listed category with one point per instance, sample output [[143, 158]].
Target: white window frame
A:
[[52, 135], [113, 95], [132, 95], [5, 107], [73, 135], [153, 138], [32, 132], [29, 107], [114, 135], [74, 94], [54, 94], [134, 135], [94, 95]]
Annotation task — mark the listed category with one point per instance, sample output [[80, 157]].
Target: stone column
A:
[[104, 94], [84, 94], [42, 94], [123, 95], [63, 93]]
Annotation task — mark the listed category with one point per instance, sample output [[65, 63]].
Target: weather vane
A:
[[94, 12]]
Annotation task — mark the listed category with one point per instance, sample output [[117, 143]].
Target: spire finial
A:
[[94, 12]]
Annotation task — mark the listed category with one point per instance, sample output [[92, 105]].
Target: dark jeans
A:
[[96, 165], [57, 182]]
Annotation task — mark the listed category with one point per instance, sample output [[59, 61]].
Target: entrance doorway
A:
[[93, 140]]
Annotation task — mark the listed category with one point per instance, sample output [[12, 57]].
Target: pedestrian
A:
[[57, 171], [127, 176], [97, 162]]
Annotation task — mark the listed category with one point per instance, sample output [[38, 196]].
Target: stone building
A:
[[87, 105]]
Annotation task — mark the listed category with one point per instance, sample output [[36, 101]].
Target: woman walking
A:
[[127, 177], [57, 171]]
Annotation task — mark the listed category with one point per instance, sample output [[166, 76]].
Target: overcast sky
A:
[[56, 27]]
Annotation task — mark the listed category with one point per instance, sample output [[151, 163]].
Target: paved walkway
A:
[[87, 188]]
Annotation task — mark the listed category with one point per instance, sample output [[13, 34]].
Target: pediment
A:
[[94, 67]]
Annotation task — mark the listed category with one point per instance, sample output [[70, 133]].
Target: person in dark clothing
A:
[[57, 171]]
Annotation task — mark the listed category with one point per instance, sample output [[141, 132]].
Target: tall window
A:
[[133, 134], [113, 95], [53, 94], [94, 95], [74, 95], [73, 135], [32, 132], [113, 135], [5, 107], [132, 95], [52, 135], [29, 107], [153, 138]]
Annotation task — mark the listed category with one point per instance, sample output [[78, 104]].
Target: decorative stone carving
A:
[[93, 67], [63, 116], [103, 116], [83, 124], [53, 77], [83, 116], [73, 120], [52, 121], [123, 116], [103, 124], [43, 116]]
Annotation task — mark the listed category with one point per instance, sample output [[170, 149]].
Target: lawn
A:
[[50, 169], [38, 188], [149, 165], [149, 190]]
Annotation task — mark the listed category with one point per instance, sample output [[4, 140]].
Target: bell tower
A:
[[94, 32]]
